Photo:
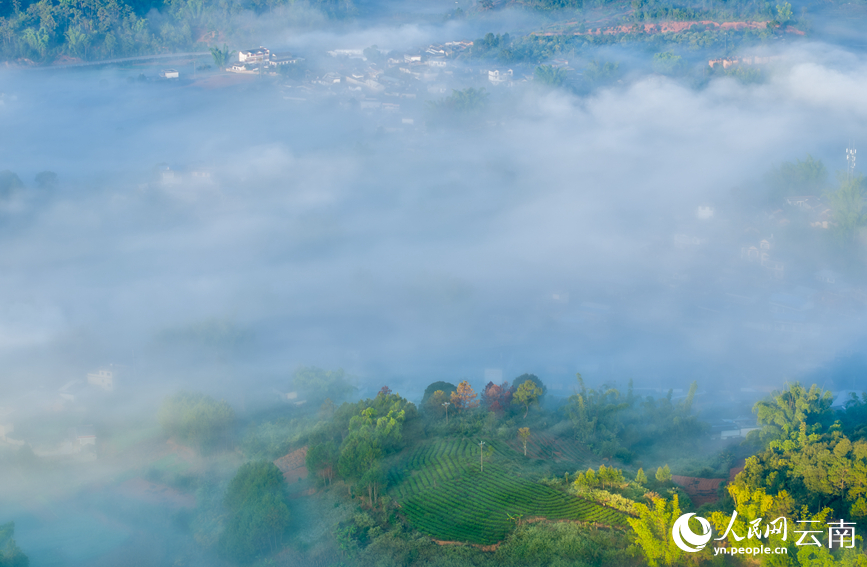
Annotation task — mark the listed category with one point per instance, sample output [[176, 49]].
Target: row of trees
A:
[[10, 183], [525, 391], [613, 424]]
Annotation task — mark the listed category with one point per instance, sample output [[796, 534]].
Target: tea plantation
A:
[[442, 492]]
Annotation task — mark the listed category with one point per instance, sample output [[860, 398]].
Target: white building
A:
[[103, 379], [254, 55], [498, 77], [169, 74], [704, 212]]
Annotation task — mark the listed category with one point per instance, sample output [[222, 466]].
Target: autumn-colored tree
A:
[[524, 434], [496, 398], [465, 396]]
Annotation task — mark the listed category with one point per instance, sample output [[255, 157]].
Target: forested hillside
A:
[[50, 30], [102, 29]]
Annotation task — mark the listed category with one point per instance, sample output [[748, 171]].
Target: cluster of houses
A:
[[760, 253], [726, 62], [375, 81]]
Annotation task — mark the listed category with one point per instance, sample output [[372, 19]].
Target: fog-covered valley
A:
[[395, 208]]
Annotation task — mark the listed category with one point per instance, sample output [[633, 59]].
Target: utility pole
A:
[[482, 455], [446, 405]]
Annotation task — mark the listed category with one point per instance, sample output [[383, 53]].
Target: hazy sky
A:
[[407, 257]]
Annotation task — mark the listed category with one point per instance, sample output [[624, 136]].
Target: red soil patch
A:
[[676, 27], [293, 465], [700, 490], [154, 493], [733, 472], [66, 60]]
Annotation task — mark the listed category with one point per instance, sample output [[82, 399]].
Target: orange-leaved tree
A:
[[465, 397]]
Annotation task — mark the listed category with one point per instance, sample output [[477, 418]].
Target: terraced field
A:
[[443, 494]]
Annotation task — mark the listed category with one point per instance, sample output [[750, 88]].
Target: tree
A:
[[524, 434], [10, 554], [322, 460], [784, 13], [446, 387], [462, 102], [609, 476], [601, 71], [807, 177], [652, 531], [783, 413], [526, 394], [46, 180], [531, 377], [222, 56], [847, 204], [464, 397], [257, 512], [496, 398], [373, 54], [9, 182], [641, 478], [668, 63], [196, 418], [663, 474], [549, 75]]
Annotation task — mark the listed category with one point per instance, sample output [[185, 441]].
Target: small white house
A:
[[498, 77], [704, 212], [85, 435], [103, 379], [169, 74]]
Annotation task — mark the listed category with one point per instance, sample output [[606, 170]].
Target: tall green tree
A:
[[807, 177], [783, 413], [9, 182], [258, 513], [663, 474], [652, 531], [526, 394], [847, 204], [10, 554], [222, 56], [549, 75]]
